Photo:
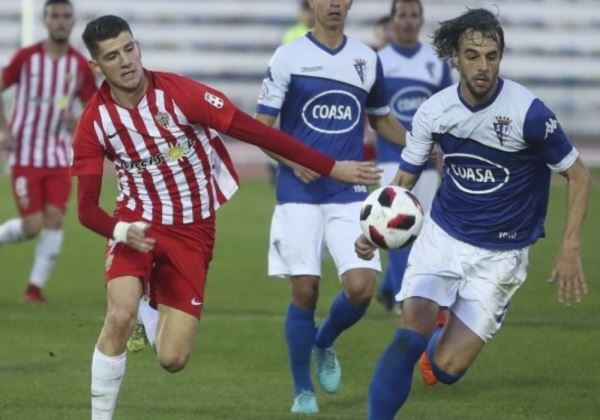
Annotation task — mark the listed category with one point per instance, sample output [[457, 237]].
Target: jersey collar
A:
[[486, 103], [324, 47]]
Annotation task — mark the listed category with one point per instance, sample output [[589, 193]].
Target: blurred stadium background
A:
[[543, 365], [553, 46]]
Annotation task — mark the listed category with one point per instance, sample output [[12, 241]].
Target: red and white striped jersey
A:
[[172, 165], [46, 88]]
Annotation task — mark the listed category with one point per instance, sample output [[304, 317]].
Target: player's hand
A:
[[137, 239], [304, 174], [364, 248], [6, 142], [568, 276], [351, 172]]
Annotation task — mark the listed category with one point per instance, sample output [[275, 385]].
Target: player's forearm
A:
[[389, 127], [244, 127], [578, 195], [405, 180], [89, 212]]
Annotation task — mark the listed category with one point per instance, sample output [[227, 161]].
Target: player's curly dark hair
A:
[[447, 36]]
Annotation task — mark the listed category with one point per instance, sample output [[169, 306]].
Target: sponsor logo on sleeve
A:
[[551, 126], [214, 100]]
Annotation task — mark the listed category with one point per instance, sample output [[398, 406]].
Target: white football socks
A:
[[46, 252], [11, 231], [107, 375], [149, 317]]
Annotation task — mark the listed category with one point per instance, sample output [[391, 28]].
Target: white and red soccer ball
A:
[[391, 217]]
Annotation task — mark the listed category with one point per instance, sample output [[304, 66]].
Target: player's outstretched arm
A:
[[567, 272], [363, 173], [249, 130]]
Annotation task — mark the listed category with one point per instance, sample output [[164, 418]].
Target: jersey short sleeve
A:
[[274, 86], [377, 100], [542, 130], [419, 142], [12, 71]]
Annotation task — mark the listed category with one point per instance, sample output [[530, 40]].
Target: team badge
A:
[[360, 66], [163, 119], [502, 128]]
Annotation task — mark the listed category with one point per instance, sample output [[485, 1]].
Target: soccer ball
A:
[[391, 217]]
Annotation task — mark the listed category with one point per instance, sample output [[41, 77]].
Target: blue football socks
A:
[[391, 382], [300, 331], [342, 315]]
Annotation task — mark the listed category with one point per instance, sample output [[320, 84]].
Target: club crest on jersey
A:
[[502, 128], [163, 119], [360, 66]]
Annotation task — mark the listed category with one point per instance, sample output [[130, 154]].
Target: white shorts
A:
[[298, 232], [476, 283], [425, 188]]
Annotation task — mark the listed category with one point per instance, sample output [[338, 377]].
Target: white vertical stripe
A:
[[119, 148], [180, 180], [157, 176], [20, 104], [144, 153], [99, 134], [46, 98], [124, 189], [52, 140], [196, 162], [34, 81], [225, 179], [63, 137]]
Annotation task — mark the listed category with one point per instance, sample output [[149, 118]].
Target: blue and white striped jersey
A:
[[322, 96], [497, 163], [411, 76]]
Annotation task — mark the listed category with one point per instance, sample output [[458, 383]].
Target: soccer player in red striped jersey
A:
[[49, 76], [161, 131]]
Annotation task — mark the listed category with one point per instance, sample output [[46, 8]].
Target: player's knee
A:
[[31, 229], [121, 318], [173, 362], [359, 294]]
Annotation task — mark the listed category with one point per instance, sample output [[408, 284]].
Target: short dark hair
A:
[[446, 38], [103, 28], [395, 5], [53, 2]]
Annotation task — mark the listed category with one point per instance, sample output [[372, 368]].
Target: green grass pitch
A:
[[544, 363]]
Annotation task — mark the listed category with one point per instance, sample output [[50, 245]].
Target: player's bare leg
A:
[[109, 359], [46, 251], [175, 337], [454, 351]]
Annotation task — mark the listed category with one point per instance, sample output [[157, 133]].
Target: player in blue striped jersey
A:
[[321, 86], [500, 146]]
